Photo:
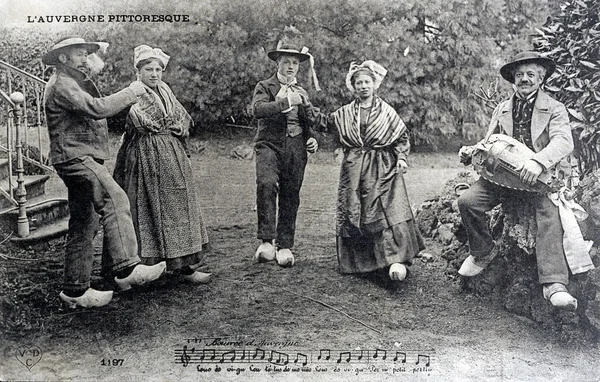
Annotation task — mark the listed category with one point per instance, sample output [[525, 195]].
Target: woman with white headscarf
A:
[[375, 225], [153, 168]]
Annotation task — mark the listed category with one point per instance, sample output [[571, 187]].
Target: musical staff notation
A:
[[324, 351], [383, 354], [299, 356], [262, 352], [403, 359], [346, 355], [424, 357], [284, 357]]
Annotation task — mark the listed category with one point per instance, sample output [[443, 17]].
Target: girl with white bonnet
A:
[[375, 226], [153, 168]]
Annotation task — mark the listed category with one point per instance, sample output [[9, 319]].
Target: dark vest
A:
[[521, 114]]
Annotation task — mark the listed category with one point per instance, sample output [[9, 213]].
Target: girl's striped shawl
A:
[[384, 126]]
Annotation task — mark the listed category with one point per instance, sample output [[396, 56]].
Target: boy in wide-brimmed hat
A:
[[542, 124], [76, 115], [284, 136]]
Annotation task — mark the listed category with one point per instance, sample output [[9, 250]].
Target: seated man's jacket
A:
[[550, 130]]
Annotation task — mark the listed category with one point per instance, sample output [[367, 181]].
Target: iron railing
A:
[[9, 192], [25, 137], [35, 140]]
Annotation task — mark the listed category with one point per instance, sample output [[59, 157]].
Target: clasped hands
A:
[[295, 99], [530, 170]]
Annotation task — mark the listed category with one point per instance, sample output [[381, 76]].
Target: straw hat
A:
[[51, 58]]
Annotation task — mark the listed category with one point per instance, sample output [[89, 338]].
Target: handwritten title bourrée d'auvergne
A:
[[59, 19]]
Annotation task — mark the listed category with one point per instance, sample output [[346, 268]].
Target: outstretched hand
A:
[[138, 88]]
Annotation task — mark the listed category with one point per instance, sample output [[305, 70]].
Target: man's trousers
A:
[[484, 195], [279, 175], [94, 193]]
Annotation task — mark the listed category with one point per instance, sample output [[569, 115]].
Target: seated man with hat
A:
[[285, 117], [76, 116], [534, 118]]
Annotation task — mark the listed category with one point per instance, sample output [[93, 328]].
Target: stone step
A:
[[51, 231], [3, 168], [34, 186], [28, 168], [30, 201], [39, 213]]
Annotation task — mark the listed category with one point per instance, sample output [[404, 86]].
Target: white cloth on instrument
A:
[[575, 247]]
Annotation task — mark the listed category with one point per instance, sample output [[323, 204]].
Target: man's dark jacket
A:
[[272, 123]]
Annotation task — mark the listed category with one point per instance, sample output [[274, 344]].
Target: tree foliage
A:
[[438, 53], [572, 40]]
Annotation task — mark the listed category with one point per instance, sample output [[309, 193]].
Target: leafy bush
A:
[[437, 53], [572, 40]]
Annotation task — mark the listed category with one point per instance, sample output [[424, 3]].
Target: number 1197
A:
[[112, 362]]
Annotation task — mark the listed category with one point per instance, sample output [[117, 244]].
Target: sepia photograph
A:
[[300, 190]]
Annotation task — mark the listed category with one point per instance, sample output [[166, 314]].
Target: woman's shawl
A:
[[151, 115], [372, 194], [384, 126]]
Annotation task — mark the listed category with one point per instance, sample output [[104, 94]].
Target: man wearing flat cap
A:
[[285, 117], [542, 124], [76, 116]]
